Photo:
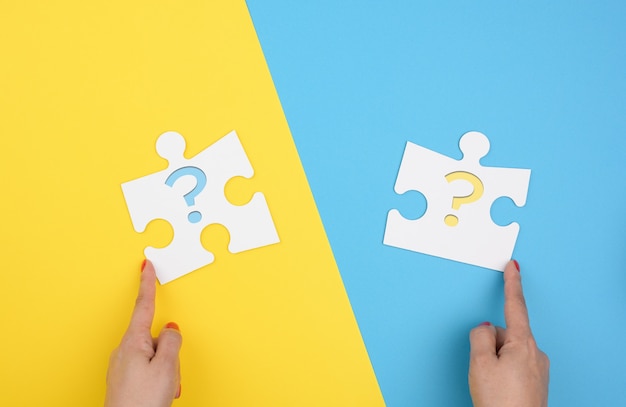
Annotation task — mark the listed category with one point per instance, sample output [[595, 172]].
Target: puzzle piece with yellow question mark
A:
[[457, 224]]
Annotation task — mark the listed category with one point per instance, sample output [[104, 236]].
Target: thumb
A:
[[168, 347], [483, 342]]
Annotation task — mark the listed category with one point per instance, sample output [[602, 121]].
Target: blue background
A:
[[546, 82]]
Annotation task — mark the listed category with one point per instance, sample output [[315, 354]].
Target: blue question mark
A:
[[190, 197]]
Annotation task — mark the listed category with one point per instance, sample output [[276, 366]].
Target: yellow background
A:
[[86, 88]]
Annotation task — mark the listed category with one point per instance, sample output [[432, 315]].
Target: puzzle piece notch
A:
[[502, 211], [475, 239], [412, 205], [250, 226]]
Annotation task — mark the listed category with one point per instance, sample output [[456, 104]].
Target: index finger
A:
[[143, 313], [515, 311]]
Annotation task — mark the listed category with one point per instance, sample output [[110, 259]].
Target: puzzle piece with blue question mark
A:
[[189, 194], [457, 224]]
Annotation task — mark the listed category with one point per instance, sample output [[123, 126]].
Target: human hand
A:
[[145, 371], [507, 369]]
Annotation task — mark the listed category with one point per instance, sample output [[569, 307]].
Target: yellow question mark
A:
[[457, 201]]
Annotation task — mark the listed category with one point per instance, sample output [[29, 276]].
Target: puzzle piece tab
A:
[[457, 224], [189, 194]]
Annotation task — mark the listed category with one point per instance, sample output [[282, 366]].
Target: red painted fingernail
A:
[[516, 265], [486, 323], [178, 392], [172, 325], [143, 264]]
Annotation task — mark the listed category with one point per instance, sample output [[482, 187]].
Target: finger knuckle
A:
[[545, 359], [479, 330], [140, 299], [531, 343], [480, 360], [139, 343], [519, 301], [173, 337], [475, 331]]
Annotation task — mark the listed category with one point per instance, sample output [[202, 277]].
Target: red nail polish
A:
[[178, 392], [143, 264], [486, 323], [516, 264], [172, 325]]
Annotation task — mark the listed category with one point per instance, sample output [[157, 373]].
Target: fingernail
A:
[[143, 264], [178, 392], [486, 323], [172, 325], [516, 265]]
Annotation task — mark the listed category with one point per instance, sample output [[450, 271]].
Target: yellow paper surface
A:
[[86, 88]]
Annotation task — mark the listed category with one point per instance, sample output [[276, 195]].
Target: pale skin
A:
[[145, 371], [507, 369]]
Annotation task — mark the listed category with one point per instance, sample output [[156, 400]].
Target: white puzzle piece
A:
[[457, 224], [189, 194]]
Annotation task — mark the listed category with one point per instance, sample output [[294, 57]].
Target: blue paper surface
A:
[[546, 82]]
